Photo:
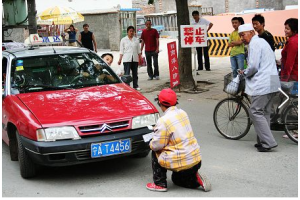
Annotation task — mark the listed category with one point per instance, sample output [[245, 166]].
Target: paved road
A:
[[234, 168]]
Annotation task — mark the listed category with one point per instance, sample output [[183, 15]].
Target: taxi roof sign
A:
[[35, 39]]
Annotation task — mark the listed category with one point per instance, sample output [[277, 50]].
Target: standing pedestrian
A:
[[87, 38], [150, 39], [258, 22], [202, 21], [174, 147], [262, 83], [130, 52], [237, 53], [289, 54], [72, 35]]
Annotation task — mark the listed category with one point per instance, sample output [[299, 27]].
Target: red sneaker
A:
[[153, 187], [203, 181]]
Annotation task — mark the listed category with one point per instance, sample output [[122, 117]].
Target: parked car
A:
[[64, 106], [140, 26]]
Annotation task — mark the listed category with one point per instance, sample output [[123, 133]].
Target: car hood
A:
[[87, 105]]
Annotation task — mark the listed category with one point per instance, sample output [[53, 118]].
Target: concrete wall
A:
[[238, 5], [234, 5], [143, 4], [277, 5], [289, 2], [218, 6], [106, 28], [16, 34]]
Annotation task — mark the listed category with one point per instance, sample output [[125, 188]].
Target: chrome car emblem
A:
[[105, 127]]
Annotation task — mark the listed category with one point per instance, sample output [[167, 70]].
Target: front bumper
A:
[[72, 152]]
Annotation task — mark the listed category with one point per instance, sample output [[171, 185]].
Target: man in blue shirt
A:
[[262, 83]]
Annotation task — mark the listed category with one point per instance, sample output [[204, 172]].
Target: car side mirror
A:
[[126, 79]]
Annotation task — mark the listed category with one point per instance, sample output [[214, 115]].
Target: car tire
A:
[[27, 167], [142, 154]]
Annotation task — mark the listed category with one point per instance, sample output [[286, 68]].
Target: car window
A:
[[62, 71]]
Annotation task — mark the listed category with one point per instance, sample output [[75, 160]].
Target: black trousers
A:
[[133, 66], [149, 55], [206, 58], [185, 178]]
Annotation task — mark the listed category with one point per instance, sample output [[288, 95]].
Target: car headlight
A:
[[144, 120], [57, 133]]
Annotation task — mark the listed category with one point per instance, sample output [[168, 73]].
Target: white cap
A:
[[245, 27]]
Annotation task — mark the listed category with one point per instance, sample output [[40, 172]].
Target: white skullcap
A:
[[245, 27]]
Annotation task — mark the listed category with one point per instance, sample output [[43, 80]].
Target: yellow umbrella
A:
[[61, 15], [39, 21]]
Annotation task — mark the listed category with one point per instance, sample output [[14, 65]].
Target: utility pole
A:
[[32, 26]]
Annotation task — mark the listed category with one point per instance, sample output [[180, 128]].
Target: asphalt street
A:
[[234, 168]]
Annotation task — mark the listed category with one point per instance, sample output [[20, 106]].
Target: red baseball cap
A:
[[167, 97]]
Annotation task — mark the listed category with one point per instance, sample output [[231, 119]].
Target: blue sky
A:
[[80, 5]]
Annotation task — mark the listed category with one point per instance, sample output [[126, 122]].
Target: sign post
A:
[[193, 36], [173, 64]]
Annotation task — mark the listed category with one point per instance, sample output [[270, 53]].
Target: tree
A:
[[184, 54], [32, 16]]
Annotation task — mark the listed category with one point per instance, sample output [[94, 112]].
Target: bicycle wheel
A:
[[290, 120], [231, 119]]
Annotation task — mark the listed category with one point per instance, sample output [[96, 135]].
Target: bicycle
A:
[[231, 115]]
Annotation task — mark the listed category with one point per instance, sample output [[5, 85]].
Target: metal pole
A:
[[195, 67]]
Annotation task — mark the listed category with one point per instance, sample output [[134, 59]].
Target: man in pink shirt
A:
[[150, 38]]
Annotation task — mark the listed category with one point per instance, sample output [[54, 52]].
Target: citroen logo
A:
[[105, 127]]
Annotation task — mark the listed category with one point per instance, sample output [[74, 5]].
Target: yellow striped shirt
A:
[[174, 142]]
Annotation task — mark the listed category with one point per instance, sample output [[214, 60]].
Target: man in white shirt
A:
[[262, 83], [202, 21]]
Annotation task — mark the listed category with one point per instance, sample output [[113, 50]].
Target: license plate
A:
[[110, 148]]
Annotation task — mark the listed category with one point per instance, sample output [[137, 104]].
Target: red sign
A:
[[193, 36], [173, 64]]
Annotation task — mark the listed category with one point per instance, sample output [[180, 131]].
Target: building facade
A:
[[220, 6]]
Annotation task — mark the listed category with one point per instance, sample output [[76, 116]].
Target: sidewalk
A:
[[220, 66]]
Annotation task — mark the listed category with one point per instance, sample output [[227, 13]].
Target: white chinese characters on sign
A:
[[173, 64], [193, 36]]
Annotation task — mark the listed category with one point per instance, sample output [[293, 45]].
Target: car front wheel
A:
[[27, 167]]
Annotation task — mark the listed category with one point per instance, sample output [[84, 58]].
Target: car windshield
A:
[[63, 71]]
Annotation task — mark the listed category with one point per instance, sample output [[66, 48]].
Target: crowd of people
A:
[[174, 146], [173, 134], [262, 71]]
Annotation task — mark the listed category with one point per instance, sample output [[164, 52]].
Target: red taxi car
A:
[[65, 106]]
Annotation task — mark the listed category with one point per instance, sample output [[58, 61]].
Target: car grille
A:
[[84, 155], [105, 128]]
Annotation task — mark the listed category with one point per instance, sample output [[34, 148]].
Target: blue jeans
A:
[[237, 62]]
